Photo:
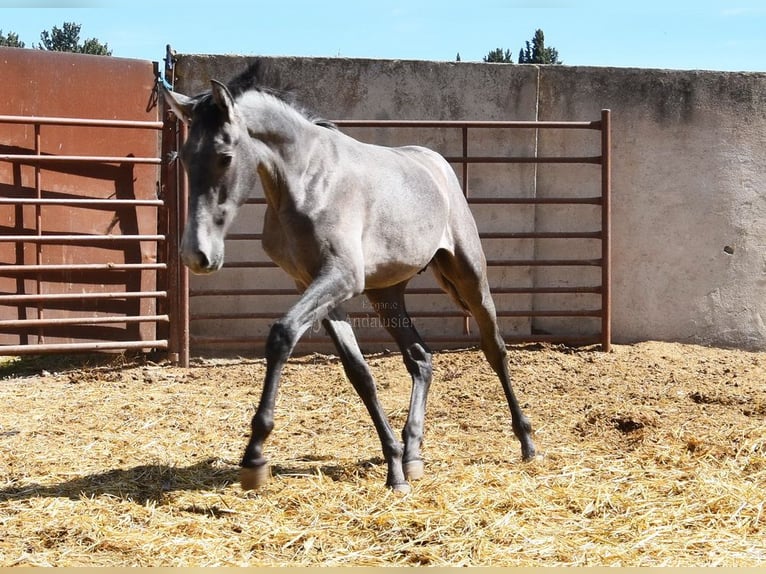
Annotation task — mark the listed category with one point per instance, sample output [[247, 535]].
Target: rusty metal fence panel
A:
[[83, 263], [597, 315]]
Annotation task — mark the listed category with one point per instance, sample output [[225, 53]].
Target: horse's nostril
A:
[[196, 261], [202, 261]]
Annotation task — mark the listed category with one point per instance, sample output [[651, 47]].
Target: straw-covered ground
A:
[[655, 454]]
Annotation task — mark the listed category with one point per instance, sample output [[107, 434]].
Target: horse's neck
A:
[[270, 120], [283, 138]]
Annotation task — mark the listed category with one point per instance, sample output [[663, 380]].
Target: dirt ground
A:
[[654, 454]]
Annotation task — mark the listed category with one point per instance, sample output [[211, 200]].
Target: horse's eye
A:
[[224, 161]]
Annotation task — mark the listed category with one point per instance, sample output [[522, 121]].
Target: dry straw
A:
[[655, 454]]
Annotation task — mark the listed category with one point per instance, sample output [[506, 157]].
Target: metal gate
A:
[[215, 330], [83, 224]]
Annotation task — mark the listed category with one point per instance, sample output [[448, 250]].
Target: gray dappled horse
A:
[[343, 218]]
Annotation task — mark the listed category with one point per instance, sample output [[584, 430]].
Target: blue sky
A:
[[727, 35]]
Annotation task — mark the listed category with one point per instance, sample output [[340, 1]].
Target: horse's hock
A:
[[687, 200]]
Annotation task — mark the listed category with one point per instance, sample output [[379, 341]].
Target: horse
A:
[[343, 218]]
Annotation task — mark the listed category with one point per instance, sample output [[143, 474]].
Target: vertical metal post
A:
[[173, 135], [183, 272], [467, 318], [38, 229], [168, 280], [606, 230], [177, 275]]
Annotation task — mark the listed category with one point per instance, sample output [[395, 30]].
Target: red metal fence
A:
[[47, 302], [83, 242]]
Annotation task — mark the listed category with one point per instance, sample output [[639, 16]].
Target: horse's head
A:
[[221, 170]]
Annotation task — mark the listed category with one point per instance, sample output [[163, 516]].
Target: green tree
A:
[[537, 53], [67, 39], [11, 40], [498, 55]]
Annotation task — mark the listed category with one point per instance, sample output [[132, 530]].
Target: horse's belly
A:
[[399, 257]]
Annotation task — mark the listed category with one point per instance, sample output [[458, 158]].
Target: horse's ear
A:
[[180, 105], [223, 99]]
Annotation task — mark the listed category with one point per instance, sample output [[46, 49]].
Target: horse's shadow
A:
[[150, 483]]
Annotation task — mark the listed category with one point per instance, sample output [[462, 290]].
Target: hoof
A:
[[413, 470], [252, 478], [401, 489], [528, 452]]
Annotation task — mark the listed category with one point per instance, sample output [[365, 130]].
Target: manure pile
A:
[[655, 454]]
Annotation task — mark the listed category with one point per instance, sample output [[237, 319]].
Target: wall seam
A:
[[535, 243]]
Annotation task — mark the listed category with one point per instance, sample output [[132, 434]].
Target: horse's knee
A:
[[279, 342], [261, 425]]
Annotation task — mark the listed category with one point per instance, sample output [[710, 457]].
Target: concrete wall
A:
[[689, 214], [689, 204]]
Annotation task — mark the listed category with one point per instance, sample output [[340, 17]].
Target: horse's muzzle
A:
[[199, 263]]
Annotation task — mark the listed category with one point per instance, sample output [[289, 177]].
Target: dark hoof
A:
[[252, 478], [413, 469]]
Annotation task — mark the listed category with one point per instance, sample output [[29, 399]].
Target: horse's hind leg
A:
[[464, 276], [389, 305], [359, 374]]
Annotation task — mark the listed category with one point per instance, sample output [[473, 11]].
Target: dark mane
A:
[[261, 77]]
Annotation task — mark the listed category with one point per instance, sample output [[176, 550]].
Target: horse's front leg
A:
[[316, 301]]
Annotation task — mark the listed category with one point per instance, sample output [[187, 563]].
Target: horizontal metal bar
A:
[[244, 237], [542, 235], [457, 341], [502, 313], [84, 321], [490, 263], [594, 200], [47, 121], [508, 159], [483, 235], [27, 158], [552, 313], [413, 314], [562, 338], [78, 238], [534, 200], [80, 202], [543, 290], [84, 267], [250, 265], [543, 262], [515, 290], [32, 349], [240, 292], [31, 298], [487, 124], [410, 291]]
